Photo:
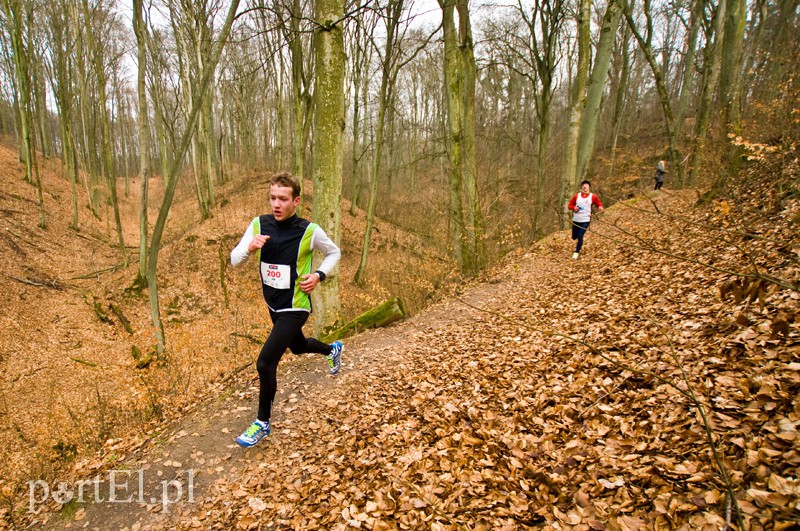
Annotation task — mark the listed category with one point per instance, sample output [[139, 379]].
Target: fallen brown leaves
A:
[[557, 395]]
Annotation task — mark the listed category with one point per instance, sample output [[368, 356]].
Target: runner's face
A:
[[282, 203], [585, 188]]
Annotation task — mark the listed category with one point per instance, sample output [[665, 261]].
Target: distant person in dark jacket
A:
[[660, 172]]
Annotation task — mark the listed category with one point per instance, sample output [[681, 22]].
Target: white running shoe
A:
[[335, 357], [257, 431]]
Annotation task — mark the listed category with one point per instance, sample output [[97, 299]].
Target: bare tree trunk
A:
[[596, 87], [475, 229], [645, 44], [328, 131], [689, 60], [14, 15], [364, 164], [394, 8], [184, 23], [569, 180], [730, 82], [621, 90], [88, 132], [301, 99], [540, 44], [710, 79], [172, 180], [453, 91], [105, 123], [361, 57], [62, 83], [140, 30]]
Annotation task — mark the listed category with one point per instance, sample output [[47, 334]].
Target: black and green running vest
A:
[[289, 244]]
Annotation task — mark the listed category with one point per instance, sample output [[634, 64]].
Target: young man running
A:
[[581, 206], [284, 243]]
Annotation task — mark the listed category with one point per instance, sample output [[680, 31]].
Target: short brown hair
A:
[[287, 180]]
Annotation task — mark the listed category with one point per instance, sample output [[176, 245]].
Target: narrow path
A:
[[155, 485]]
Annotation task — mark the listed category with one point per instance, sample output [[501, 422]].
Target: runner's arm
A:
[[321, 242], [572, 202], [240, 252]]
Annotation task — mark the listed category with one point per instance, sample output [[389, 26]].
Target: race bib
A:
[[276, 276]]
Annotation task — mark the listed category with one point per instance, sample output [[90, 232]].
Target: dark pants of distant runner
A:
[[659, 179], [287, 332], [578, 230]]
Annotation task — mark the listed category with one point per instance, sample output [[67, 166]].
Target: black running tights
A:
[[287, 332]]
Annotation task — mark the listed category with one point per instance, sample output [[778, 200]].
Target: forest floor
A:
[[549, 392], [75, 331]]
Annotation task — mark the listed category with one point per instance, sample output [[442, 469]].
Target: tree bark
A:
[[596, 87], [569, 179], [143, 120], [454, 138], [730, 81], [328, 130]]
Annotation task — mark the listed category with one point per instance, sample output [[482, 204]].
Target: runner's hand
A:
[[257, 243], [309, 282]]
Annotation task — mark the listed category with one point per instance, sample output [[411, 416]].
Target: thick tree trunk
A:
[[596, 87], [569, 179], [730, 81], [454, 138], [328, 131]]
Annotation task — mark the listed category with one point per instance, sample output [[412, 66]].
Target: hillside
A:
[[569, 394], [69, 381]]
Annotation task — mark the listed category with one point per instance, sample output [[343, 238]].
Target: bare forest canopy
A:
[[483, 115]]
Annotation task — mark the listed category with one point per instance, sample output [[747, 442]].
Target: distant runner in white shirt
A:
[[581, 206]]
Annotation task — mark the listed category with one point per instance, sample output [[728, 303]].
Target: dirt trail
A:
[[199, 453]]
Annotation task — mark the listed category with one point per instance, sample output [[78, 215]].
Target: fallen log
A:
[[382, 315]]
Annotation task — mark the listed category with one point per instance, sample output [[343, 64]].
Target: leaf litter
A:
[[561, 394]]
